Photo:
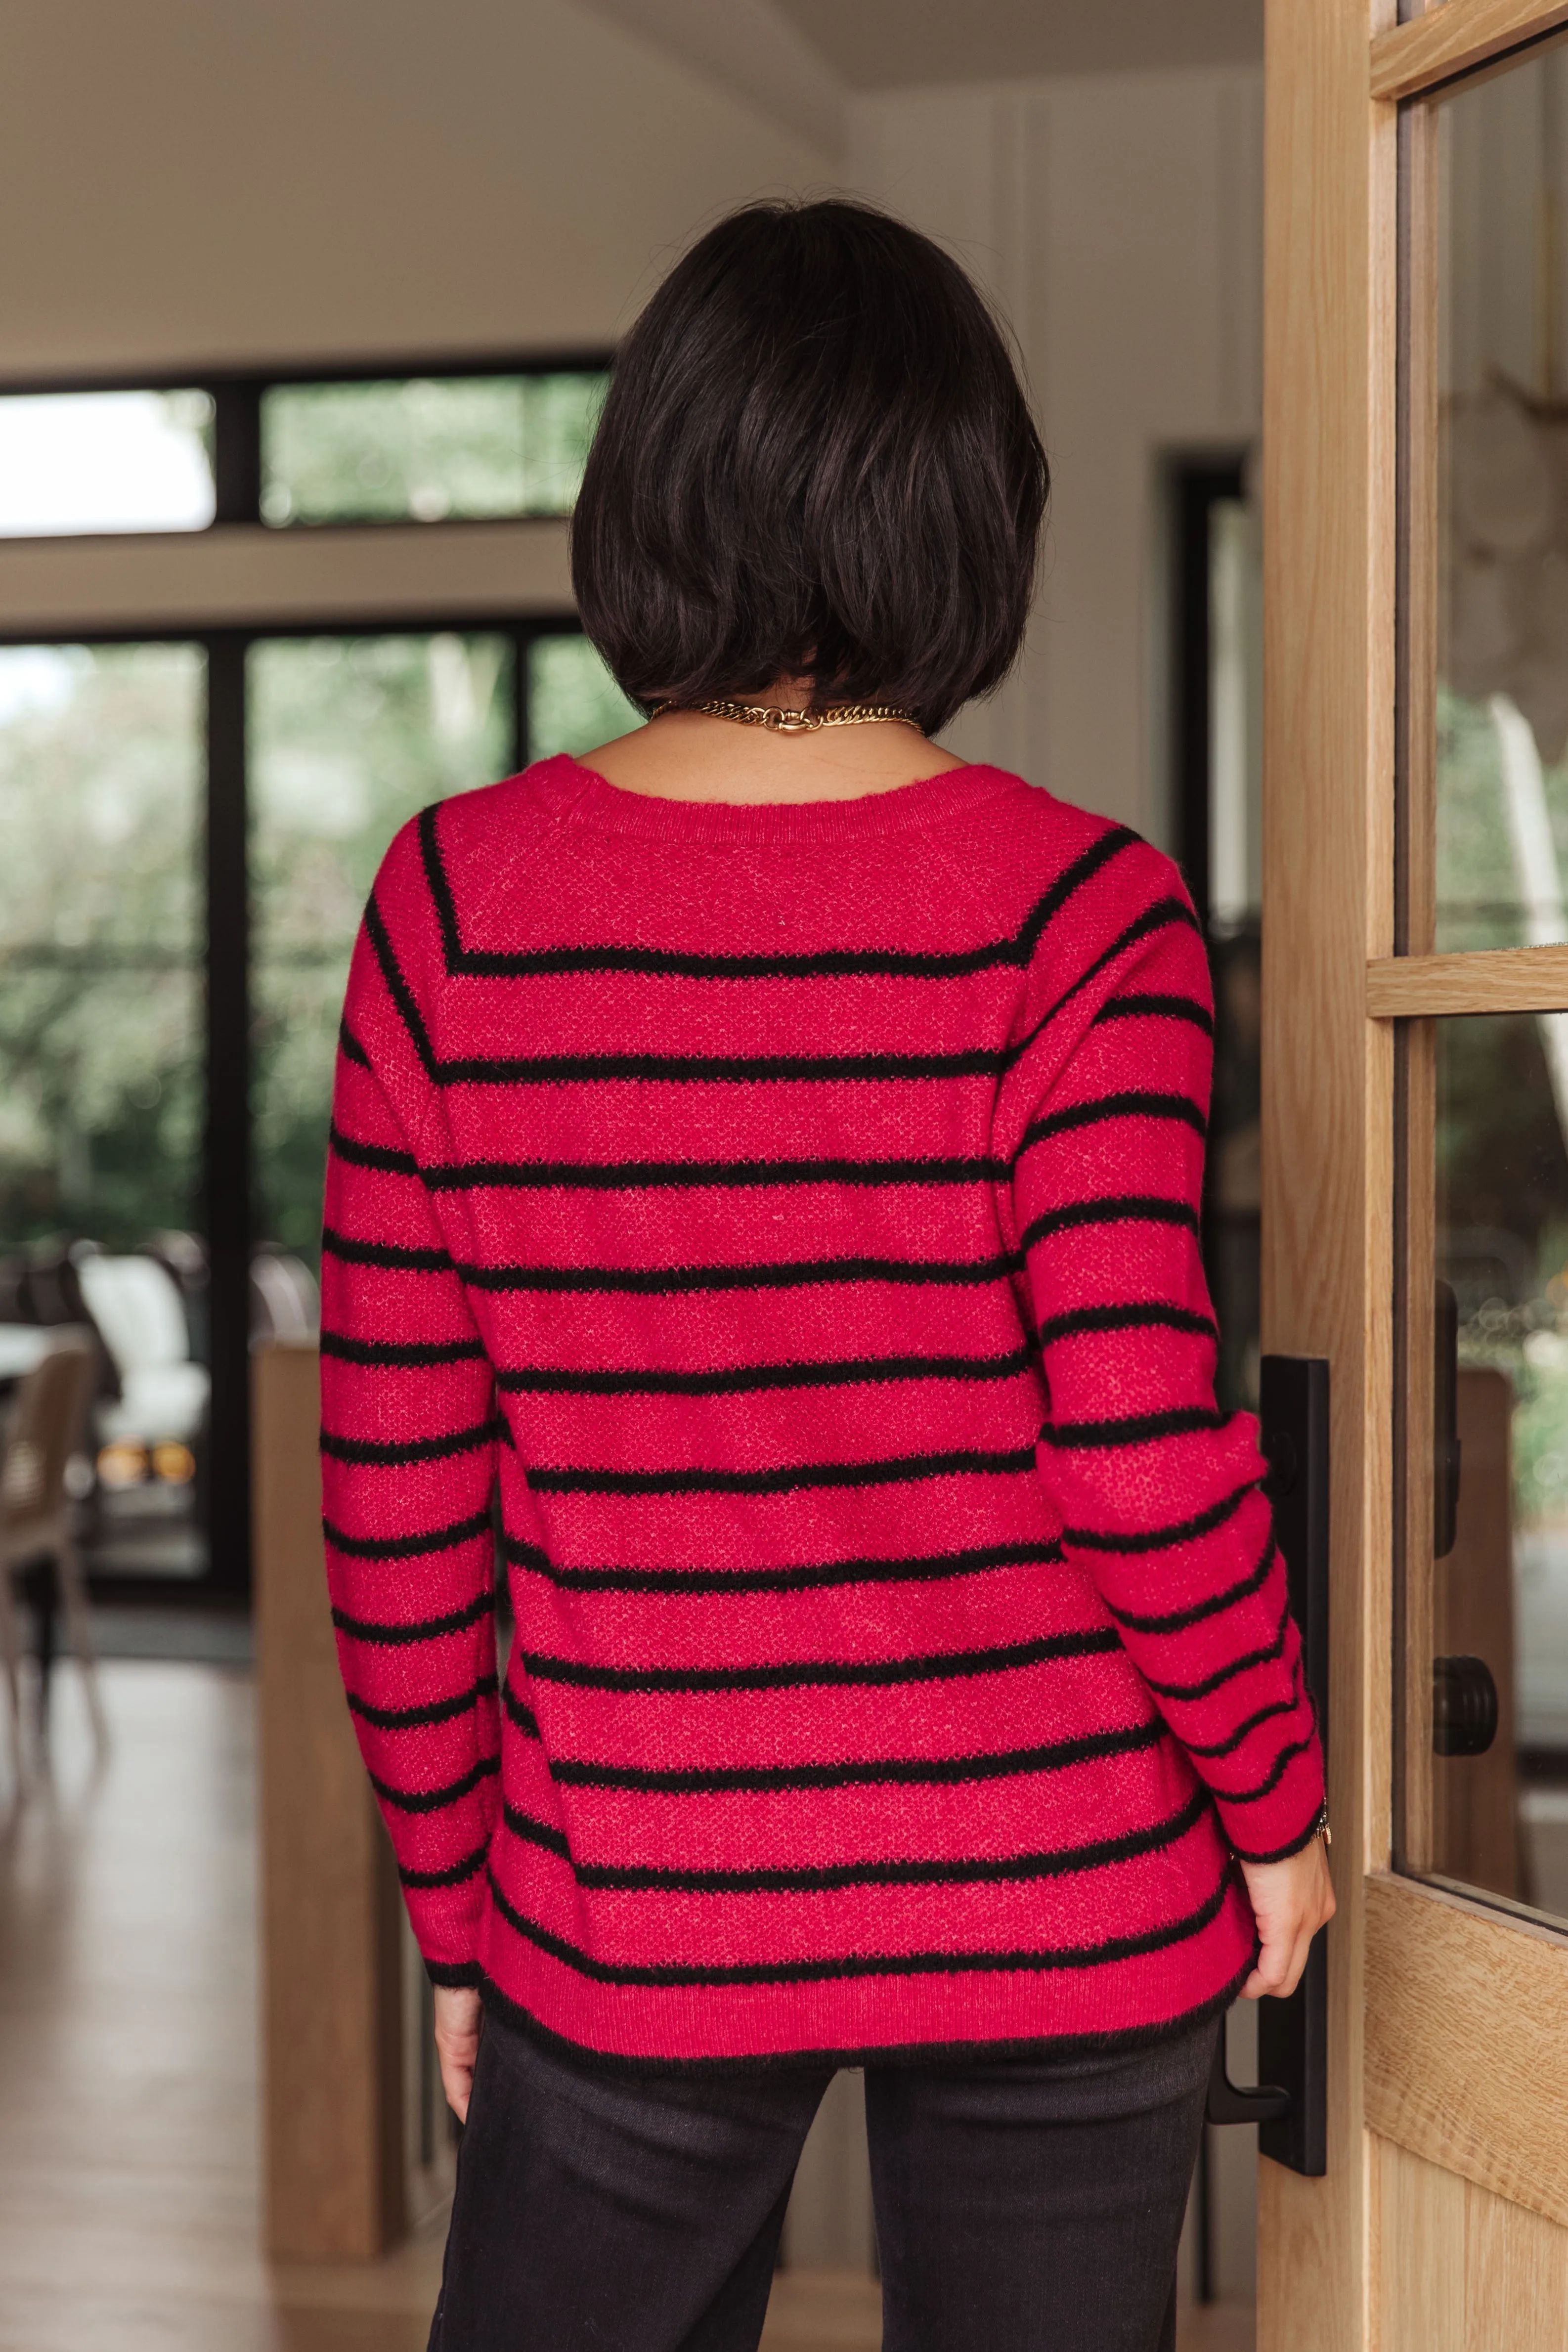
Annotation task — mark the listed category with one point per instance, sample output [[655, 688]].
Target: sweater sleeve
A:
[[408, 1449], [1159, 1494]]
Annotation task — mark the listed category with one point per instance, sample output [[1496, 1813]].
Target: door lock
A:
[[1464, 1707]]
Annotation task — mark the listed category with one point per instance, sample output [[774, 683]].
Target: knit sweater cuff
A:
[[1280, 1824], [450, 1972]]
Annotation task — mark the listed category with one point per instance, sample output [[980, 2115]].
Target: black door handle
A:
[[1293, 2103], [1238, 2103]]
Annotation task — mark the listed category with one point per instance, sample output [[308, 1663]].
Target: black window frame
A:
[[227, 1156]]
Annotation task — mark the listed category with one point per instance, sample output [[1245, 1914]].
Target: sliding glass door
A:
[[102, 943]]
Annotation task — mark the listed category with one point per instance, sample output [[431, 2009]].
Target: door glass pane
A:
[[1488, 1500], [87, 461], [350, 737], [424, 450], [1500, 496], [101, 1066]]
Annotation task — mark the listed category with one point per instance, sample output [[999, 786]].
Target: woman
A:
[[770, 1156]]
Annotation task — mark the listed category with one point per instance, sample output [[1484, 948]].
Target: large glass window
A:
[[1487, 1554], [1483, 1585], [188, 833], [101, 939], [423, 450], [350, 737], [87, 461], [573, 703], [1501, 622]]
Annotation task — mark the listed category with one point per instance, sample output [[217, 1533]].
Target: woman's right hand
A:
[[1290, 1901], [456, 2044]]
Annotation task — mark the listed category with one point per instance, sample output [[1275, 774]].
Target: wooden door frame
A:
[[1416, 1973]]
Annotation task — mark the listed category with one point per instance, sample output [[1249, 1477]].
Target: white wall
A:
[[203, 180], [1118, 218]]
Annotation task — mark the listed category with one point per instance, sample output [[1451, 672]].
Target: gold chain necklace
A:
[[793, 722]]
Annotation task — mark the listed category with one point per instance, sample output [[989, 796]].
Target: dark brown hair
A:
[[816, 459]]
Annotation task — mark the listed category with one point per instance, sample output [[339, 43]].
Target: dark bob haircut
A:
[[815, 460]]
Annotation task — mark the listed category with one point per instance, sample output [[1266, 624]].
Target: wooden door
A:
[[1414, 1118]]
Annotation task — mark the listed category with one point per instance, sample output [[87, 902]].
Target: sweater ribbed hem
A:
[[876, 2020], [900, 2054]]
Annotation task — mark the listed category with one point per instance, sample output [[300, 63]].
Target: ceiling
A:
[[883, 44]]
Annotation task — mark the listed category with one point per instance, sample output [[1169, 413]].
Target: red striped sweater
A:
[[792, 1213]]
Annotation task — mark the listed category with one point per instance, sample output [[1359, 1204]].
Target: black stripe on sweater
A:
[[418, 1629], [820, 1674], [832, 1878], [536, 1832], [678, 1281], [519, 1713], [1267, 1786], [370, 1155], [454, 1875], [395, 1255], [1223, 1674], [713, 1069], [350, 1047], [1131, 1429], [1117, 1209], [789, 1479], [827, 963], [874, 1772], [697, 1175], [742, 1069], [728, 1070], [680, 1069], [659, 1069], [390, 1355], [409, 1546], [743, 1380], [930, 1568], [1105, 1108], [1080, 1321], [671, 1973], [1158, 916], [377, 1452], [1175, 1531], [1214, 1604], [1157, 1007], [1261, 1714], [415, 1719], [434, 1800]]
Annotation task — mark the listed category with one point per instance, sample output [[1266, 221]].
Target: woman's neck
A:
[[687, 755]]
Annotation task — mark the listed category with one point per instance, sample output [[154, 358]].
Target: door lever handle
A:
[[1237, 2102], [1292, 2034]]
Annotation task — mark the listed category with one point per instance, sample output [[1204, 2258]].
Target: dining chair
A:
[[47, 1429]]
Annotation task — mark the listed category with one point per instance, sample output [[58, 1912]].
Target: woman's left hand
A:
[[1290, 1901], [456, 2044]]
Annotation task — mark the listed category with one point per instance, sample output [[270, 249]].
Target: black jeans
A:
[[1021, 2206]]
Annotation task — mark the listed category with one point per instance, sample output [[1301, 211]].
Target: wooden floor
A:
[[128, 2066]]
